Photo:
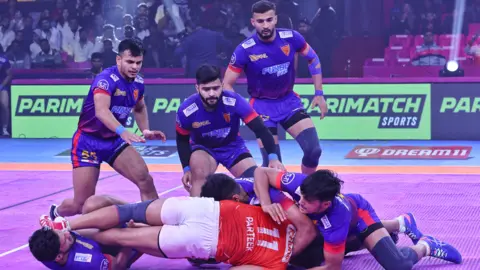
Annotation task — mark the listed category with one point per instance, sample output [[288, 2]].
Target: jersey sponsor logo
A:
[[285, 34], [326, 222], [104, 265], [85, 244], [119, 92], [103, 84], [200, 124], [114, 77], [226, 116], [218, 133], [278, 70], [249, 43], [121, 111], [256, 57], [233, 59], [287, 178], [286, 49], [190, 109], [229, 101], [291, 232], [139, 79], [83, 257]]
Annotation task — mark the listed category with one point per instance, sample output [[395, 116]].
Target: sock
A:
[[401, 221]]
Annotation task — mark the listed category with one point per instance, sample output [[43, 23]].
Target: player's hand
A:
[[154, 135], [130, 138], [187, 180], [319, 101], [276, 164], [275, 210]]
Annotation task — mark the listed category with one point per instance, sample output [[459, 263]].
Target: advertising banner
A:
[[409, 152], [49, 111], [356, 112], [456, 111], [371, 111]]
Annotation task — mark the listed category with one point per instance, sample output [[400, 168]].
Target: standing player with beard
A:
[[211, 120], [101, 135], [268, 61]]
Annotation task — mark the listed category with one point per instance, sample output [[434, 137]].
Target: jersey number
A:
[[273, 245]]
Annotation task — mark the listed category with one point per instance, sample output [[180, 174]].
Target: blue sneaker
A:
[[52, 211], [411, 229], [442, 250]]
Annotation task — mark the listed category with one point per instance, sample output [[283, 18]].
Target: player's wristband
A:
[[272, 156], [119, 130], [186, 169], [318, 92]]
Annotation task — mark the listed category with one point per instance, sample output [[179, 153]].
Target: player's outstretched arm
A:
[[103, 113], [141, 115], [306, 231], [264, 178]]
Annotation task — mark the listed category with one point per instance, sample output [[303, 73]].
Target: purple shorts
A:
[[226, 155], [366, 213], [91, 151], [277, 111]]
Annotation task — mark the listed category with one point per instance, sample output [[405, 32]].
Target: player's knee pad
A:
[[308, 141], [390, 257], [248, 173], [134, 211]]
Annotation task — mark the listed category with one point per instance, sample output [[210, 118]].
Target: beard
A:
[[208, 104], [266, 34]]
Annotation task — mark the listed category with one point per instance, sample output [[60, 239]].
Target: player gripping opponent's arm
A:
[[306, 231]]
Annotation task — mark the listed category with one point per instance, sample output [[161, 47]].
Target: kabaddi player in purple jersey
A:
[[339, 216], [268, 58], [101, 135], [207, 128]]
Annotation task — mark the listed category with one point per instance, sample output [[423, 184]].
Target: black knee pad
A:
[[134, 211], [308, 141], [248, 173], [390, 257]]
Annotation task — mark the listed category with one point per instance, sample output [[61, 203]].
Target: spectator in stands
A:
[[202, 47], [431, 23], [17, 22], [28, 30], [51, 34], [108, 33], [19, 37], [115, 17], [7, 36], [87, 17], [128, 31], [98, 24], [83, 48], [58, 12], [120, 31], [403, 22], [143, 28], [429, 53], [324, 25], [17, 55], [70, 35], [109, 54], [472, 14], [472, 48], [48, 57], [155, 45], [5, 81], [97, 65], [35, 48]]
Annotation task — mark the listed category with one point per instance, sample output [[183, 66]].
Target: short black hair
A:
[[134, 45], [220, 187], [44, 244], [322, 185], [263, 6], [207, 73], [96, 55]]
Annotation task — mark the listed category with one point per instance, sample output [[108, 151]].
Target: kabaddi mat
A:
[[446, 206]]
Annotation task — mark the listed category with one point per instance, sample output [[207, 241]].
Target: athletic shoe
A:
[[442, 250], [58, 224], [411, 229], [52, 211]]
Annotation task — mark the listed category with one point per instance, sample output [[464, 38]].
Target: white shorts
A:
[[191, 227]]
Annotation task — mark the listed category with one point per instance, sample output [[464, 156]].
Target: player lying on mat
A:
[[207, 128], [193, 227], [58, 249], [339, 215], [223, 187]]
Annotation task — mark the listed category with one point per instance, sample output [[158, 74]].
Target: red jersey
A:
[[248, 236]]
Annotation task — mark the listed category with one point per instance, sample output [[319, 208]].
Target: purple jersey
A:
[[247, 184], [269, 66], [334, 224], [124, 96], [214, 128]]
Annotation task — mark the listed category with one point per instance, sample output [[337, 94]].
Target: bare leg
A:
[[202, 164], [132, 166], [392, 225], [100, 201], [84, 183], [144, 239]]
